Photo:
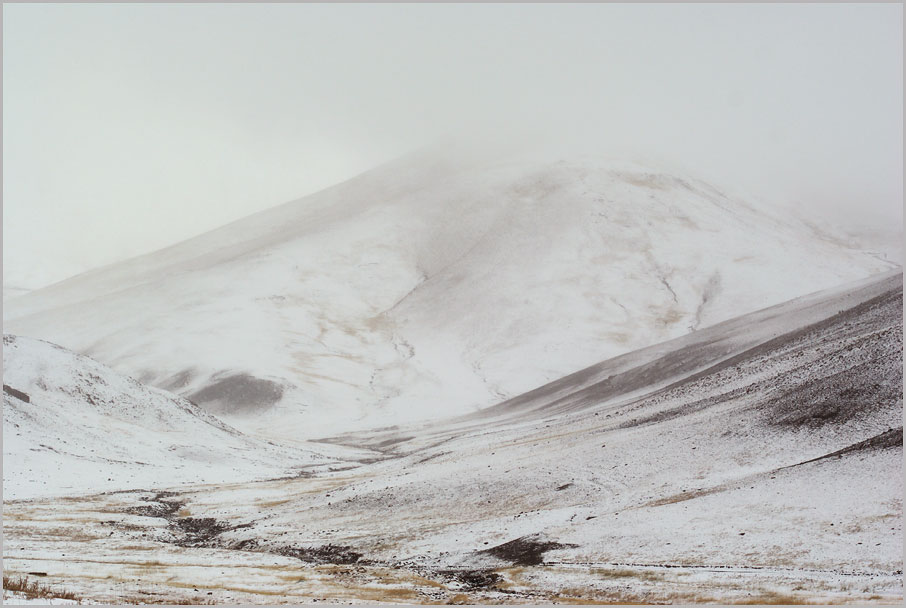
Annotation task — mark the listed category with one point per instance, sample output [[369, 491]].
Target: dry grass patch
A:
[[777, 598], [460, 598], [71, 533], [576, 598], [641, 574], [34, 589], [274, 503]]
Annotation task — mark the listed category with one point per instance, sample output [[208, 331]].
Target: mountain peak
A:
[[436, 284]]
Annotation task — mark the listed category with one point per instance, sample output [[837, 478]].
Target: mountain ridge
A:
[[434, 285]]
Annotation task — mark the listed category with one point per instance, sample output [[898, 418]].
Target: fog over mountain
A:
[[433, 285], [130, 128]]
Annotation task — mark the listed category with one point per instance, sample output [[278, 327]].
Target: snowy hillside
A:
[[755, 462], [10, 292], [431, 286], [73, 426]]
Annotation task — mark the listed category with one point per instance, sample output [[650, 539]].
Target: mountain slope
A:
[[431, 286], [73, 426], [785, 459], [768, 470], [660, 367]]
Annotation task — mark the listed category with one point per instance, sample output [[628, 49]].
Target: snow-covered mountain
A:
[[757, 461], [433, 285], [74, 426]]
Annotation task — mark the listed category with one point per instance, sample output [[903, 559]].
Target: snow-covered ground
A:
[[756, 461], [73, 426], [432, 286], [16, 598]]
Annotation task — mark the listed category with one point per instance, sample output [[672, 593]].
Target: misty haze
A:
[[590, 303]]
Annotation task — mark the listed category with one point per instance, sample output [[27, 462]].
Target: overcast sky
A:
[[130, 127]]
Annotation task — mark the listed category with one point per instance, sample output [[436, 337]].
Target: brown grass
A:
[[34, 589], [274, 503], [65, 533], [146, 599], [578, 599], [642, 575], [770, 598]]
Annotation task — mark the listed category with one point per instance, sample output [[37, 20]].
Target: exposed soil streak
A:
[[524, 551], [891, 438], [191, 531]]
